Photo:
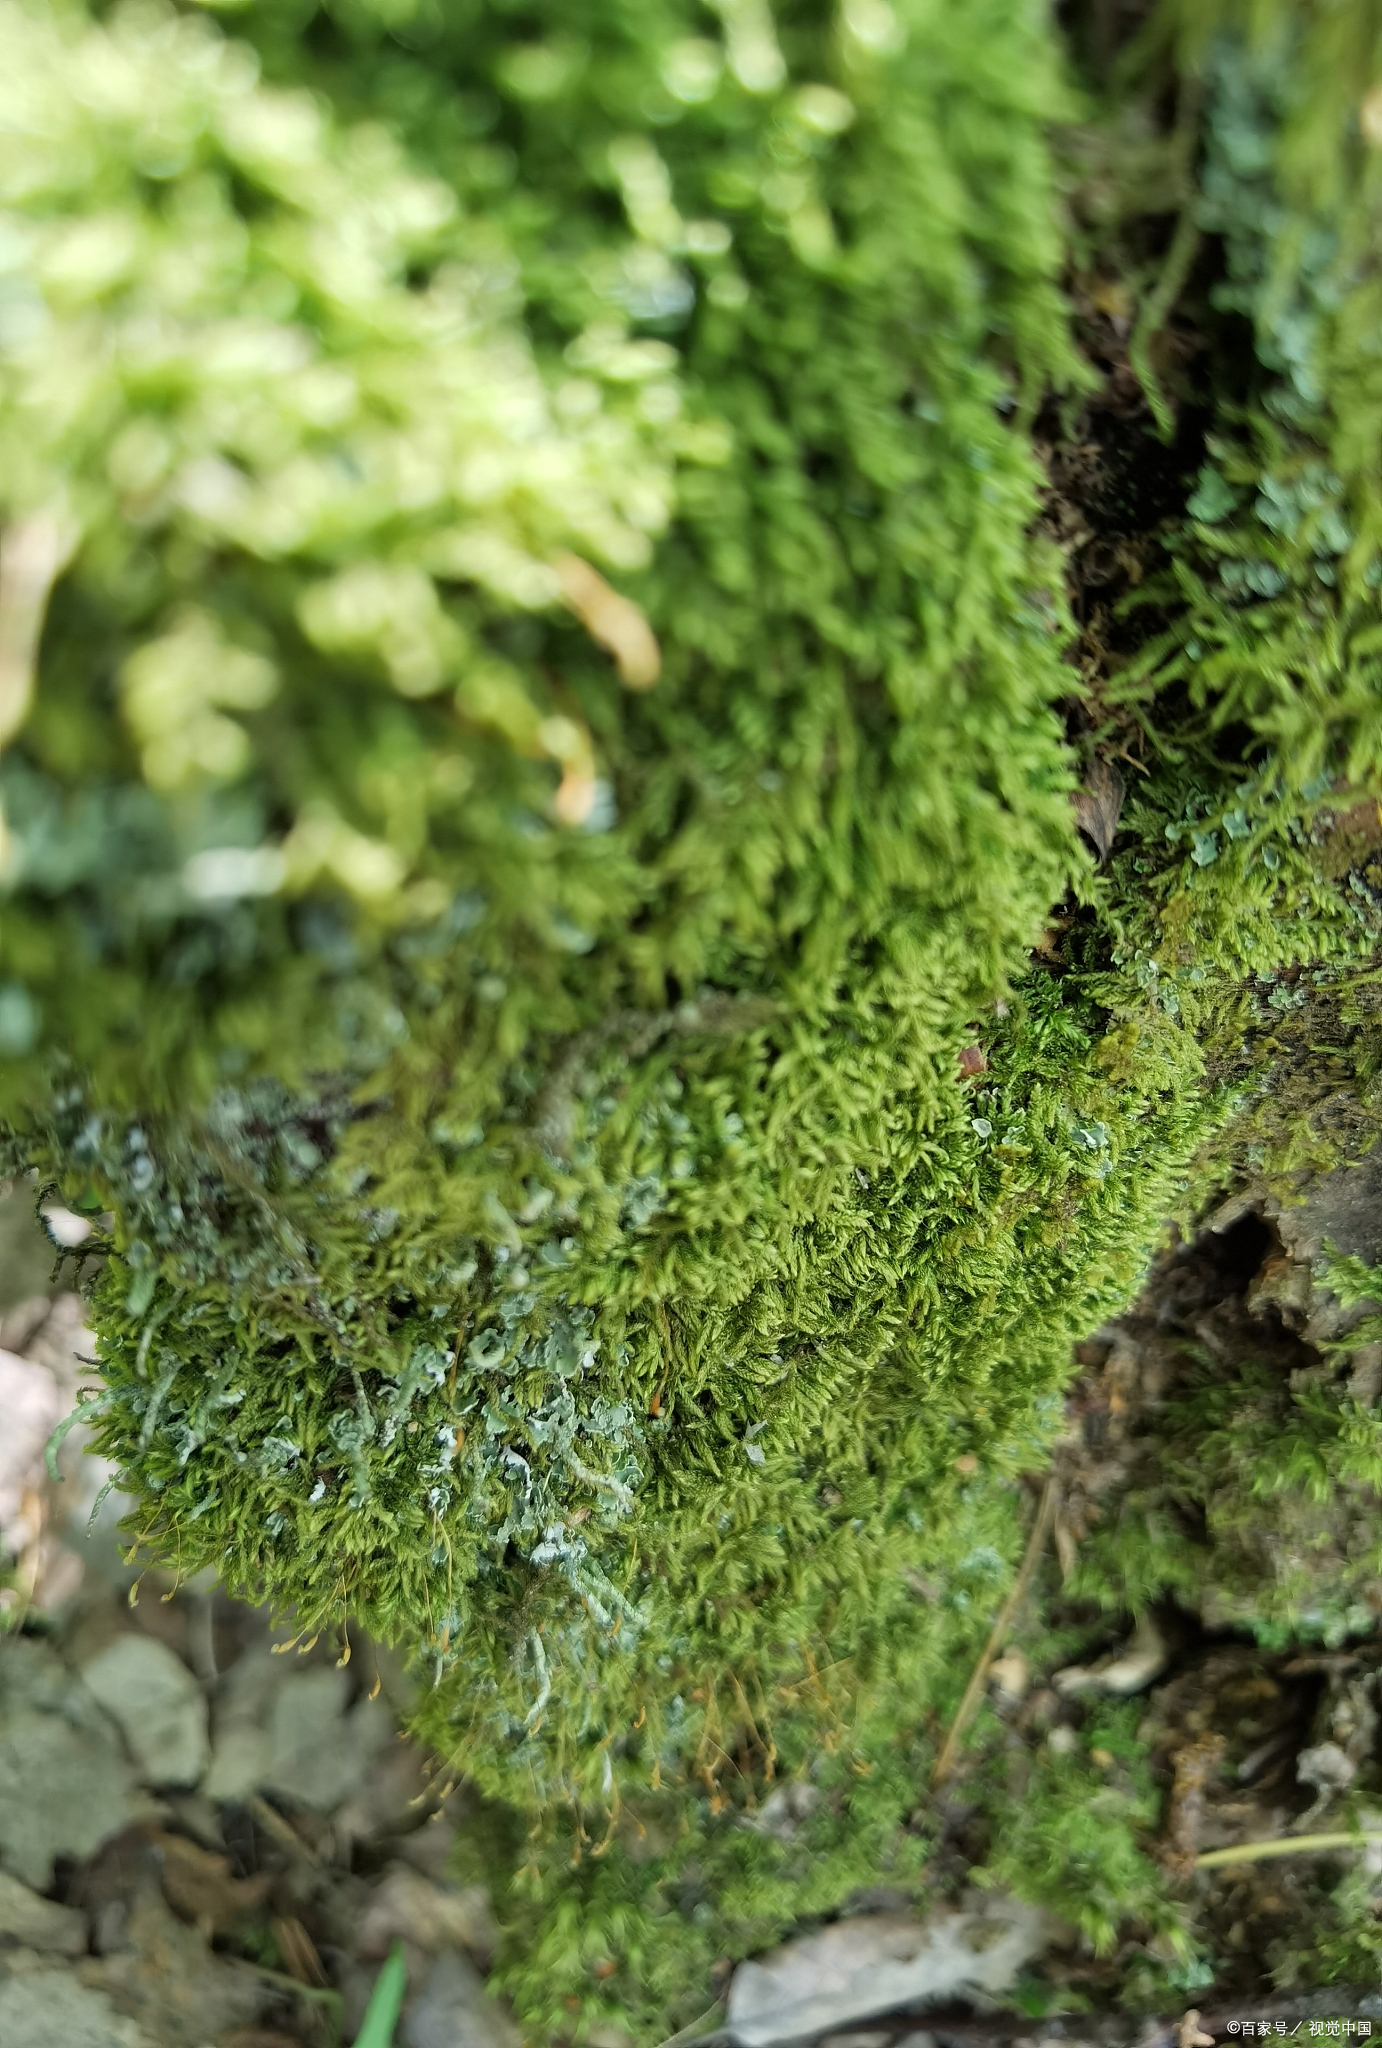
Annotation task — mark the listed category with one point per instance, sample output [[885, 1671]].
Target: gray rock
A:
[[453, 2011], [156, 1702], [861, 1968], [1343, 1208], [64, 1790], [50, 2009], [242, 1751], [293, 1732], [240, 1762], [39, 1923], [404, 1906], [320, 1754]]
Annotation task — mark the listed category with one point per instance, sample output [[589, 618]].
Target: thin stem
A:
[[1036, 1543], [1281, 1845]]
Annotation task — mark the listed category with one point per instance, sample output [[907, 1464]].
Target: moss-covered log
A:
[[551, 618]]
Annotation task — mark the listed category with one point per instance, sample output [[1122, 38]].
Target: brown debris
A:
[[1098, 804], [298, 1950], [614, 622], [1194, 1765], [200, 1888]]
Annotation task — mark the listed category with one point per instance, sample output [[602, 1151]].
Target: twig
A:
[[1281, 1845], [282, 1831], [1036, 1543]]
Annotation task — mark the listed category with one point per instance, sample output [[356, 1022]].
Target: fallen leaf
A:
[[1098, 805], [198, 1885], [972, 1062], [613, 621], [299, 1952]]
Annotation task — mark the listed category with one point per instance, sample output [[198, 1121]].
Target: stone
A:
[[39, 1923], [52, 2009], [65, 1782], [242, 1751], [320, 1754], [394, 1798], [405, 1907], [294, 1732], [240, 1763], [1343, 1209], [452, 2010], [157, 1704], [861, 1968], [431, 1849], [1011, 1674]]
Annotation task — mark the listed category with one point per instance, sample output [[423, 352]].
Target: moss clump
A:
[[599, 1188]]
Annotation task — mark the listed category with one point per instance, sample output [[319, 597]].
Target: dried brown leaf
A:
[[613, 621], [198, 1885], [299, 1952], [1098, 806]]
